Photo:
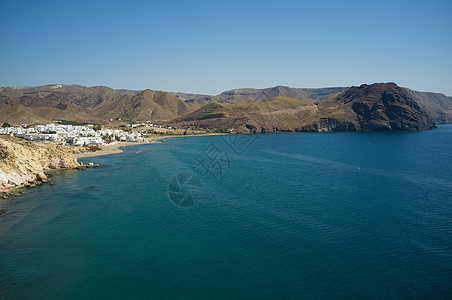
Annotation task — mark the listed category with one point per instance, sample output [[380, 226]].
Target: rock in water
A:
[[41, 177], [63, 165]]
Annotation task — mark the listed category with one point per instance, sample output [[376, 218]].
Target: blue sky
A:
[[212, 46]]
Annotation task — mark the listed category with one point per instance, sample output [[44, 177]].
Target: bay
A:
[[296, 215]]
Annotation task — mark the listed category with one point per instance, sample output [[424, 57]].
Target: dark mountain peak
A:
[[379, 85], [279, 90], [371, 91], [383, 106]]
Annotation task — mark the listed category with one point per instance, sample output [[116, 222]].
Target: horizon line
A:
[[204, 94]]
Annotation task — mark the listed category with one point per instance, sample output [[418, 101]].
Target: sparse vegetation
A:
[[268, 109], [3, 154], [219, 130], [108, 138], [74, 123]]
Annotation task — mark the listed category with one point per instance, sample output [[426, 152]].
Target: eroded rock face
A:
[[376, 107], [385, 107], [22, 162]]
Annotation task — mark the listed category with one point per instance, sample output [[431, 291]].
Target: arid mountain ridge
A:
[[248, 94], [376, 107], [243, 110]]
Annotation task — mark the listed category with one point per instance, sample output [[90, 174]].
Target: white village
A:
[[73, 135]]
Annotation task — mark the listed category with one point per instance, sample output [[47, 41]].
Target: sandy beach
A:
[[118, 148]]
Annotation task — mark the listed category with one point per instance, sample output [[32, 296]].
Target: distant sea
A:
[[296, 215]]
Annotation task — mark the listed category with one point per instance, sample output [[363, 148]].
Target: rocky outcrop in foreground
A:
[[24, 163]]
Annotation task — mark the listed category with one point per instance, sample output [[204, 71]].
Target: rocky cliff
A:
[[23, 162], [437, 106], [376, 107]]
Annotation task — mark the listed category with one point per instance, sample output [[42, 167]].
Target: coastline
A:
[[119, 147], [25, 164], [114, 149], [28, 164]]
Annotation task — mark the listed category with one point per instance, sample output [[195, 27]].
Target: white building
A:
[[74, 135]]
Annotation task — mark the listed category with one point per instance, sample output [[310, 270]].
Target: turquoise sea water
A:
[[299, 215]]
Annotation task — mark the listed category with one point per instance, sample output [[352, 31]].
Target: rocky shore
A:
[[25, 164], [29, 164]]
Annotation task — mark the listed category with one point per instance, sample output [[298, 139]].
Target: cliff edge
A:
[[23, 163]]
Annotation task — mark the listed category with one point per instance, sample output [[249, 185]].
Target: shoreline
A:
[[119, 147], [26, 164], [40, 176], [113, 149]]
